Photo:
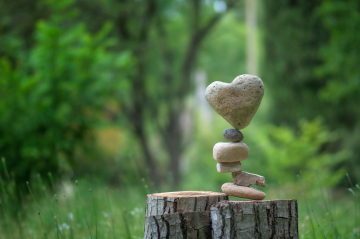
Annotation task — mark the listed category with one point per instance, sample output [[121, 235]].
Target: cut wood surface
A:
[[201, 214], [184, 201]]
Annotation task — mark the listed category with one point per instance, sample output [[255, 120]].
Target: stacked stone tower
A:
[[237, 103]]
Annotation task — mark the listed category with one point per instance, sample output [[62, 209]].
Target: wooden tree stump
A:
[[180, 215], [255, 219], [199, 214]]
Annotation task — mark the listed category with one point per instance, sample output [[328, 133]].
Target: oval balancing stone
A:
[[233, 135], [230, 152], [229, 167], [238, 101], [242, 192]]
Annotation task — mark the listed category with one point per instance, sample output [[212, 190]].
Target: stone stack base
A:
[[199, 214]]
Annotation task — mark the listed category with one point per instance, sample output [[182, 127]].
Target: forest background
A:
[[102, 102]]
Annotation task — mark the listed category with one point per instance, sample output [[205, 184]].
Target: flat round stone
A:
[[229, 167], [230, 152], [242, 192], [233, 135]]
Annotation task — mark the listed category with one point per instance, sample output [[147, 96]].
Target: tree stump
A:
[[255, 219], [199, 214], [180, 215]]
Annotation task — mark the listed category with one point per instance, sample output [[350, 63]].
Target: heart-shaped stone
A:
[[238, 101]]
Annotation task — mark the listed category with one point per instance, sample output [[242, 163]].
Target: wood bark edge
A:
[[179, 202]]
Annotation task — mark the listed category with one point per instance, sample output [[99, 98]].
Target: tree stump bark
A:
[[180, 215], [255, 219], [199, 214]]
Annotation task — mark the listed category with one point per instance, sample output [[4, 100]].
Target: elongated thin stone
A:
[[228, 167], [247, 179], [230, 152]]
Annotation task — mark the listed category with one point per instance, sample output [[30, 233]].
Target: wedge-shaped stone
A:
[[230, 152], [247, 179], [242, 192], [229, 167]]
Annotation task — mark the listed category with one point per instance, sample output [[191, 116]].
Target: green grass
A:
[[89, 209], [74, 210]]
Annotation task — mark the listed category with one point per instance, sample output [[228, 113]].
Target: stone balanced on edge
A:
[[237, 103]]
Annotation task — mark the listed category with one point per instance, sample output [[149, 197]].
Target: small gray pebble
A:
[[233, 135]]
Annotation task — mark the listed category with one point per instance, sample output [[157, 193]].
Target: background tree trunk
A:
[[199, 214], [251, 41]]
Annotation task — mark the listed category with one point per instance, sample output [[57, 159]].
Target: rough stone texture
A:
[[179, 215], [233, 135], [255, 219], [247, 179], [242, 192], [238, 101], [230, 152], [228, 167]]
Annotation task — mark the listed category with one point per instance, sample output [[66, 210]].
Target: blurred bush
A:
[[86, 85], [279, 153], [287, 154], [73, 70], [52, 97], [311, 58]]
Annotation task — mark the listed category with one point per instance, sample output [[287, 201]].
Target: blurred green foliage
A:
[[77, 68], [52, 96], [101, 88], [277, 152], [341, 54], [288, 155], [311, 58]]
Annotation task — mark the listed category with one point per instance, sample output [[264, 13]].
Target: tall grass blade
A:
[[19, 219], [42, 186], [51, 181], [307, 207], [127, 228], [70, 218], [327, 207], [321, 230], [111, 215], [36, 203], [5, 168], [5, 217], [82, 208], [55, 217], [355, 204], [42, 225], [94, 207]]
